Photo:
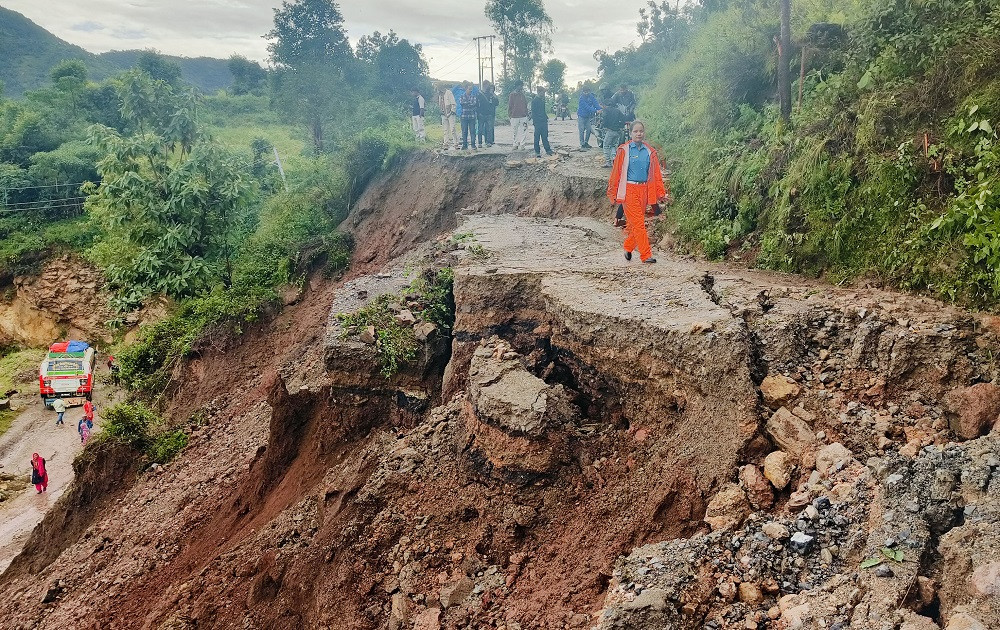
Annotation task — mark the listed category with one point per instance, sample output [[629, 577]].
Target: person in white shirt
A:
[[418, 116]]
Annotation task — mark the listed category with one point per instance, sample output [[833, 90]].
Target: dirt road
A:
[[35, 431]]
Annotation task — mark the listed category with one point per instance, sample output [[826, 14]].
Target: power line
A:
[[42, 202], [46, 186], [458, 57]]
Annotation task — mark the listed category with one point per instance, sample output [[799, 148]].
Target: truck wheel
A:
[[47, 405]]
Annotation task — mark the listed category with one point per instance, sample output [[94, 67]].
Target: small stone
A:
[[986, 579], [775, 530], [778, 468], [757, 487], [812, 513], [405, 318], [750, 593], [727, 590], [964, 621], [790, 433], [368, 335], [971, 411], [423, 331], [826, 556], [728, 508], [832, 457], [883, 571], [779, 390], [802, 542]]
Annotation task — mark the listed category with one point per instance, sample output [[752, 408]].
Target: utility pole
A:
[[479, 57], [479, 60]]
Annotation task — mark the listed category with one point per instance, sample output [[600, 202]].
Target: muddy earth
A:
[[594, 444]]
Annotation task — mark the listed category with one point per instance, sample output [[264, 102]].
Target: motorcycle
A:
[[562, 111]]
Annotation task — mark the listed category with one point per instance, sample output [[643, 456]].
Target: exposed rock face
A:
[[65, 301], [564, 468]]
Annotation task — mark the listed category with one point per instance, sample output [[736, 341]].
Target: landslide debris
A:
[[599, 445]]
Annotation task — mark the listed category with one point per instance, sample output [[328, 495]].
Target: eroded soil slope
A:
[[595, 443]]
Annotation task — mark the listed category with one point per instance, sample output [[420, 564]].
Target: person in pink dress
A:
[[39, 476]]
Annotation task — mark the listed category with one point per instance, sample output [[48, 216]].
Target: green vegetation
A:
[[429, 297], [177, 195], [18, 370], [141, 428], [885, 169]]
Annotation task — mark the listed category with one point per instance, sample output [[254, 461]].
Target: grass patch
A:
[[138, 426], [430, 298], [20, 363]]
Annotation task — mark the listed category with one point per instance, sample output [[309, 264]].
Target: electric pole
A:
[[479, 57]]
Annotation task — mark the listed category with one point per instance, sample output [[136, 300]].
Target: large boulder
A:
[[516, 417], [972, 411], [791, 433]]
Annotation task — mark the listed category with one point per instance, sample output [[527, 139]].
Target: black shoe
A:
[[649, 260], [628, 255], [549, 153], [538, 155], [586, 145]]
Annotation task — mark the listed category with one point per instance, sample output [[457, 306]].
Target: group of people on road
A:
[[636, 183], [469, 112]]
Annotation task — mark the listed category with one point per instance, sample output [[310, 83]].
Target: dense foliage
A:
[[886, 166], [177, 196]]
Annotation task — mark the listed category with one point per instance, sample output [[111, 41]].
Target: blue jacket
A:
[[588, 105]]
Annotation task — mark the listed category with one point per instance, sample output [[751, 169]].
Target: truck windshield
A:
[[65, 365]]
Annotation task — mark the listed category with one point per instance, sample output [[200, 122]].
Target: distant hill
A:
[[29, 52]]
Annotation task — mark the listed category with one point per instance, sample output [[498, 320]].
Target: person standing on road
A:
[[418, 116], [517, 109], [540, 119], [585, 112], [449, 108], [39, 476], [637, 182], [469, 104], [488, 102], [60, 408]]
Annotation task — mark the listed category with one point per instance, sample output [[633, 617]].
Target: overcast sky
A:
[[219, 28]]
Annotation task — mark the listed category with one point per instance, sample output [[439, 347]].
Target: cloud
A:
[[220, 28], [87, 27]]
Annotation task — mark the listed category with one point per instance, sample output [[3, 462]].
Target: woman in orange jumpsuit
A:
[[636, 182]]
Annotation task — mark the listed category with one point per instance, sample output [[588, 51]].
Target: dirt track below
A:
[[35, 431]]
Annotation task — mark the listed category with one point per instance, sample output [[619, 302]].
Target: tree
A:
[[310, 48], [159, 67], [307, 31], [554, 73], [167, 207], [70, 78], [248, 76], [784, 54], [69, 74], [525, 30], [399, 65]]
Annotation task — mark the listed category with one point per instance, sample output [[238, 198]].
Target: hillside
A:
[[588, 443], [29, 53]]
